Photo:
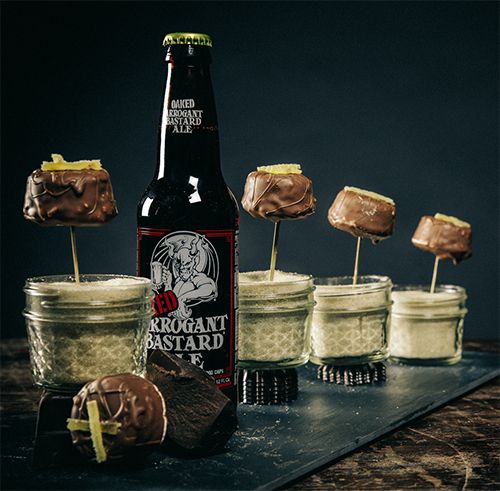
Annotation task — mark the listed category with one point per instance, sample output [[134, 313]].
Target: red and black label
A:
[[194, 277]]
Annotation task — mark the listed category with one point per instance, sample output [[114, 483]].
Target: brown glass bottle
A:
[[188, 223]]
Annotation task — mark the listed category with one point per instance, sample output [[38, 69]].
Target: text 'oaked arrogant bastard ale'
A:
[[188, 223]]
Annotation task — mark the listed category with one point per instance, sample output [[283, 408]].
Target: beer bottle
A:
[[188, 223]]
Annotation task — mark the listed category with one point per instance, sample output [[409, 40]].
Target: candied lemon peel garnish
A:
[[369, 193], [58, 163], [281, 169], [83, 425], [95, 431], [455, 221]]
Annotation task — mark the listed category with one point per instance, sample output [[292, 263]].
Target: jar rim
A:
[[344, 285], [276, 296], [85, 318], [298, 278], [458, 291], [295, 285], [135, 291], [85, 278], [355, 310], [277, 308], [458, 314]]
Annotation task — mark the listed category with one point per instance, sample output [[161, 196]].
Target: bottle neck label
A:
[[188, 138], [182, 116], [194, 277]]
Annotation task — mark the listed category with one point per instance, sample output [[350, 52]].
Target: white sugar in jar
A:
[[351, 321], [427, 328], [275, 319], [78, 332]]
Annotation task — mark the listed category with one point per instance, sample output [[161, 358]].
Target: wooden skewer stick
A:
[[434, 275], [356, 263], [275, 249], [75, 259]]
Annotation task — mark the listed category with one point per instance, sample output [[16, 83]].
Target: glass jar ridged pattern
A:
[[351, 322], [79, 332], [275, 319], [427, 328]]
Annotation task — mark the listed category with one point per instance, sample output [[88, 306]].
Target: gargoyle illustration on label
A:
[[184, 271]]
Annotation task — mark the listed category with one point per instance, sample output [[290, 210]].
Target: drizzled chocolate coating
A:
[[134, 402], [362, 216], [82, 198], [444, 239], [278, 197]]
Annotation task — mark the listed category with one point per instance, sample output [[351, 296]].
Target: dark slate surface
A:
[[275, 444]]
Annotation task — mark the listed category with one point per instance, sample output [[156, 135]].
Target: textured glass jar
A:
[[275, 319], [78, 332], [351, 322], [427, 328]]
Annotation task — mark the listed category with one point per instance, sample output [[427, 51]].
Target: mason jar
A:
[[427, 328], [78, 332], [351, 322], [275, 319]]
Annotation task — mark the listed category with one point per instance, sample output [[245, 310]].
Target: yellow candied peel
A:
[[281, 169], [455, 221], [95, 431], [84, 425], [58, 163], [370, 194]]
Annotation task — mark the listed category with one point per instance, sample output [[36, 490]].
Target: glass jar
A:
[[427, 328], [351, 321], [78, 332], [275, 319]]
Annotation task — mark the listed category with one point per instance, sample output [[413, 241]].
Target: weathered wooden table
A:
[[455, 447]]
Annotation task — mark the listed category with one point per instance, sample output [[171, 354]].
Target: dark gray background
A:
[[400, 98]]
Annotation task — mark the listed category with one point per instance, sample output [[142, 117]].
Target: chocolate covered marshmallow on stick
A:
[[77, 194], [446, 237], [363, 214], [278, 192]]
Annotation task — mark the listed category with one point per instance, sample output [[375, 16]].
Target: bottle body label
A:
[[194, 276]]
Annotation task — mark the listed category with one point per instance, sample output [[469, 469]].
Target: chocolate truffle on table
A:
[[70, 193], [278, 192], [446, 237], [363, 214], [132, 420]]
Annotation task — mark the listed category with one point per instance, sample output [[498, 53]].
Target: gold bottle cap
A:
[[187, 38]]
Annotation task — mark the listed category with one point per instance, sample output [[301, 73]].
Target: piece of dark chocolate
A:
[[363, 214], [130, 405], [278, 197], [445, 239], [201, 419]]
